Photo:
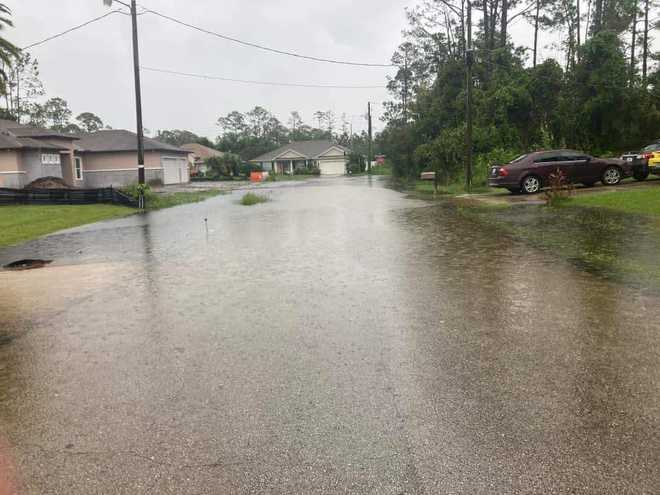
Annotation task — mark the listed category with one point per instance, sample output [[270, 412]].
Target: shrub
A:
[[133, 190], [307, 171], [251, 199], [560, 188]]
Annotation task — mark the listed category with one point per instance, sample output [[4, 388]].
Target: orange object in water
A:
[[256, 177]]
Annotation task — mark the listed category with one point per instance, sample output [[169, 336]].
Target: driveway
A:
[[341, 338]]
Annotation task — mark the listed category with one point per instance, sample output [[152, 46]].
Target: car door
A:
[[584, 169], [545, 164]]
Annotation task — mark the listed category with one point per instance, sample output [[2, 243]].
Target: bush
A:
[[251, 199], [227, 165], [560, 188], [307, 171], [133, 190]]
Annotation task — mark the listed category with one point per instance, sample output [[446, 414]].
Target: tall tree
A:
[[24, 86], [57, 113], [645, 45], [89, 122], [8, 51], [176, 137]]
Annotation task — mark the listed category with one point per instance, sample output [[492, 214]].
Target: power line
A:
[[262, 83], [263, 47], [75, 28]]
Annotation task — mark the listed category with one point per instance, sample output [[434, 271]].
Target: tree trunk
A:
[[504, 22], [485, 6], [493, 20], [577, 20], [598, 17], [536, 29], [645, 50], [632, 45]]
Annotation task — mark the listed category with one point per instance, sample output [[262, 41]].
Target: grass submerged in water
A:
[[251, 199]]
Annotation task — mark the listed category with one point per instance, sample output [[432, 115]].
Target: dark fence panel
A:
[[65, 196]]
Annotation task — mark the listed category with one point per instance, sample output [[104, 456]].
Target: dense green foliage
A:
[[599, 99]]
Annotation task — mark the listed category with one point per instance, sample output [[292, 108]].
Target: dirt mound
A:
[[48, 183]]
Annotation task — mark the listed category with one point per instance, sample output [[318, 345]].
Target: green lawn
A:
[[24, 222], [642, 201], [158, 201]]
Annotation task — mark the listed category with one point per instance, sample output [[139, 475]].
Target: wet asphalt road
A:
[[341, 338]]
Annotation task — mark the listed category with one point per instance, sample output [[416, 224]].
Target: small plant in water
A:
[[560, 188], [250, 199]]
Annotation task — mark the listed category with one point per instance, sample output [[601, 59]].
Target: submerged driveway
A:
[[341, 338]]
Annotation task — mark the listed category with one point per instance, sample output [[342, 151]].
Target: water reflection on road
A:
[[340, 338]]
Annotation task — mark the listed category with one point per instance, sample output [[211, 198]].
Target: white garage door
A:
[[175, 170], [332, 167]]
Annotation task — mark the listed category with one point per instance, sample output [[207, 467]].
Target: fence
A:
[[65, 196]]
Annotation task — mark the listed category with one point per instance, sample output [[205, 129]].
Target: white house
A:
[[330, 158]]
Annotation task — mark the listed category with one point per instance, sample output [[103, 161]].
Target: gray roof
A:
[[308, 149], [17, 136], [11, 142], [37, 132], [120, 140]]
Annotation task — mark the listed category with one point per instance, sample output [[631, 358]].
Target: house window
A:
[[79, 168], [50, 159]]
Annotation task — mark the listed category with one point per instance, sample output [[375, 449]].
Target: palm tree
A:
[[8, 51]]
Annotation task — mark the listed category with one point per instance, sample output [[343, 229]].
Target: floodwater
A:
[[341, 338]]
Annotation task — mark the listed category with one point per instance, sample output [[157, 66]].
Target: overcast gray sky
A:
[[92, 68]]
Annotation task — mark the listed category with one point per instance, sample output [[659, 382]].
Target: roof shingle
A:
[[120, 140]]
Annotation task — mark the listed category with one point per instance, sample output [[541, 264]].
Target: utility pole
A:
[[369, 158], [138, 93], [468, 101]]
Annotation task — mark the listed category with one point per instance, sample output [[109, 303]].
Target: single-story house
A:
[[99, 159], [28, 153], [198, 156], [330, 158], [109, 158]]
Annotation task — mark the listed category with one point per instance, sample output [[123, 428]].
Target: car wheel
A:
[[640, 174], [531, 184], [588, 184], [612, 176]]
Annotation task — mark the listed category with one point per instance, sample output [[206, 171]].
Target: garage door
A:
[[175, 170], [332, 167]]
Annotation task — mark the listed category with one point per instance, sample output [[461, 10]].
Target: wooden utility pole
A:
[[468, 101], [138, 94], [536, 30], [369, 158]]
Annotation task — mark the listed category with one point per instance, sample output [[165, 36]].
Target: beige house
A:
[[27, 154], [109, 158], [328, 157], [100, 159], [198, 156]]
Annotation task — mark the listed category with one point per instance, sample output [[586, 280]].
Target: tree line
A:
[[602, 95]]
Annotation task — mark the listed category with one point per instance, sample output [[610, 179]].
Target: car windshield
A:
[[520, 158], [652, 147]]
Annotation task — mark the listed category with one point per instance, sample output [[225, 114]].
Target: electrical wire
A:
[[262, 83], [263, 47], [75, 28]]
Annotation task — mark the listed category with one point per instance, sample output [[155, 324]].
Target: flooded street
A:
[[342, 338]]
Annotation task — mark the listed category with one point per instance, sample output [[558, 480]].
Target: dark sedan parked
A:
[[530, 173]]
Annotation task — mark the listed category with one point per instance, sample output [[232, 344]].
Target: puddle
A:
[[27, 264]]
